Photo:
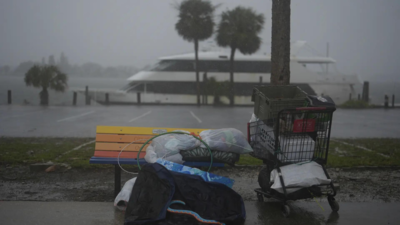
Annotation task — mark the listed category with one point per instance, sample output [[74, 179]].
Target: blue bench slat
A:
[[114, 161]]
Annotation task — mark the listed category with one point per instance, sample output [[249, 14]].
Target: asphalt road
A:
[[36, 121], [43, 213]]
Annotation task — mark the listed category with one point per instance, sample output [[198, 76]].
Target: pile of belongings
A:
[[168, 193], [226, 146]]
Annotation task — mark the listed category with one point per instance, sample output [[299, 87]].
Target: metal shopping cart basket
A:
[[295, 137]]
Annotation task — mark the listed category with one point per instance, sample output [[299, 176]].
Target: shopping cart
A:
[[294, 136]]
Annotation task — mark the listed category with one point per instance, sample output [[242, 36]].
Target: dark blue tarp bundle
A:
[[156, 187]]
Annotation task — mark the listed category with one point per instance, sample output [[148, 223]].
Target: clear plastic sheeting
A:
[[151, 156], [297, 176], [170, 144], [227, 140]]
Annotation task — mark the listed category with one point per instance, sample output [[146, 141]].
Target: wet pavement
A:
[[36, 121], [99, 213]]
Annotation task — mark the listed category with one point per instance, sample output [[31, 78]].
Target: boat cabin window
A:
[[213, 66]]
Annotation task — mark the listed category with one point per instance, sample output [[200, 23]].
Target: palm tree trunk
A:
[[232, 85], [44, 96], [196, 50], [280, 47]]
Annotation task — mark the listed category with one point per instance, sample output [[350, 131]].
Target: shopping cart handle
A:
[[310, 108]]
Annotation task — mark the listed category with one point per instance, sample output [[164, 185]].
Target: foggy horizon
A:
[[362, 33]]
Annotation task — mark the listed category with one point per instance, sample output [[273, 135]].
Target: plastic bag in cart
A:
[[227, 140], [299, 175]]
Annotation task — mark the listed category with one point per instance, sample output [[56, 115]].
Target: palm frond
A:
[[239, 28], [195, 20]]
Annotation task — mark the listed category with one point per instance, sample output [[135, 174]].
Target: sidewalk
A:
[[88, 213]]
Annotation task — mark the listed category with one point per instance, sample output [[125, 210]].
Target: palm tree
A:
[[239, 29], [195, 24], [280, 46], [46, 77]]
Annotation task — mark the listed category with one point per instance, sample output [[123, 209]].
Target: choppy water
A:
[[29, 95]]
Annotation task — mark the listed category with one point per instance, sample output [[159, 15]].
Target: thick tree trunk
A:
[[196, 51], [232, 83], [280, 47], [44, 96]]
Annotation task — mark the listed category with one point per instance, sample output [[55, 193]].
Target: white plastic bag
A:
[[227, 140], [177, 158], [122, 199], [151, 156], [299, 175], [170, 144]]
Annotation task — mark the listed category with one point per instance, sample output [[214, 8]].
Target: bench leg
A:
[[117, 180]]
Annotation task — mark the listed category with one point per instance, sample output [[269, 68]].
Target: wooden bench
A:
[[110, 140]]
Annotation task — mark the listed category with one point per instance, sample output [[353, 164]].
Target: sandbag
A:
[[227, 140]]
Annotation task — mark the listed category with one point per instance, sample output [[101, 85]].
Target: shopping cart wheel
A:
[[285, 210], [263, 179], [333, 203], [260, 197]]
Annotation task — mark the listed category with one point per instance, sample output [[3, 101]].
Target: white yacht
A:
[[173, 81]]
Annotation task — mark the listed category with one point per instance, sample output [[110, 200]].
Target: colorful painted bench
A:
[[110, 140]]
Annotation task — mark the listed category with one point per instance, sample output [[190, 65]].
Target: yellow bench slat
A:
[[141, 130]]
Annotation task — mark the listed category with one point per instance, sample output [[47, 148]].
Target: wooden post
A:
[[393, 101], [107, 99], [260, 80], [386, 101], [350, 96], [365, 93], [9, 99], [87, 95], [74, 98], [138, 98], [280, 42]]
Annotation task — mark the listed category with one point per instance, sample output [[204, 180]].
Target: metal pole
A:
[[138, 98], [350, 96], [386, 101], [9, 99], [107, 99], [359, 97], [74, 98], [117, 180]]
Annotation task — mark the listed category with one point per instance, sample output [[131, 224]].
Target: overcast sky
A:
[[362, 34]]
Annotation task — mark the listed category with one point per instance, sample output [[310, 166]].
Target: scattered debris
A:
[[40, 167], [50, 169]]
